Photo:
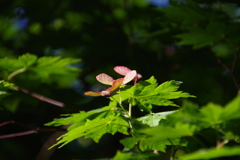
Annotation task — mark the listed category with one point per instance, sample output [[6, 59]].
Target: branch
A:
[[230, 71], [5, 123], [18, 134], [45, 153], [42, 98], [234, 63], [33, 130]]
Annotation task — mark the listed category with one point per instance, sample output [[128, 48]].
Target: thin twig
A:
[[231, 73], [18, 134], [42, 98], [172, 151], [33, 130], [234, 62], [117, 102], [5, 123]]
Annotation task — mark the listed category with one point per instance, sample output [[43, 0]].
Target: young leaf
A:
[[130, 142], [159, 145], [27, 59], [95, 129], [44, 69], [149, 93], [199, 38], [4, 87], [214, 113], [83, 116], [232, 109], [167, 132], [153, 119]]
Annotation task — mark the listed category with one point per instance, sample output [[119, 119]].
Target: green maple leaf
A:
[[166, 135], [27, 59], [4, 88], [146, 143], [199, 37], [153, 119], [130, 142], [78, 119], [167, 132], [148, 93], [45, 69], [214, 113], [160, 145], [95, 129], [92, 124]]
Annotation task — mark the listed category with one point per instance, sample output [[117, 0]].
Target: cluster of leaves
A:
[[181, 129], [45, 69], [4, 88]]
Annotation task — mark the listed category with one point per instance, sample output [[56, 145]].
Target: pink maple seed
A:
[[124, 70], [105, 79], [93, 94], [129, 76], [105, 93], [116, 84], [121, 70]]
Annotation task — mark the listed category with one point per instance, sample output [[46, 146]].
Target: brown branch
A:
[[42, 98], [5, 123], [234, 63], [230, 71], [33, 130], [18, 134], [45, 153]]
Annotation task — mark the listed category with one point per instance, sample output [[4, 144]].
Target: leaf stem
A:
[[117, 102], [230, 71], [120, 98], [172, 151], [130, 110], [13, 74]]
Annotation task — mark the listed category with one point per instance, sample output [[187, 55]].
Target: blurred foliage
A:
[[196, 42]]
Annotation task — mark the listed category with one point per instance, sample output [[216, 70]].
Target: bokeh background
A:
[[196, 42]]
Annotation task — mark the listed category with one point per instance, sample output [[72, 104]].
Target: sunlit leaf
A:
[[148, 93], [27, 59], [153, 119]]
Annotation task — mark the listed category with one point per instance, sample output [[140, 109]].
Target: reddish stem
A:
[[42, 98], [5, 123], [230, 71], [18, 134]]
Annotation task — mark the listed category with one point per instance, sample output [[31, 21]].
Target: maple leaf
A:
[[147, 93]]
